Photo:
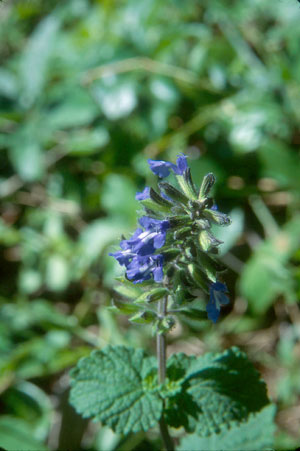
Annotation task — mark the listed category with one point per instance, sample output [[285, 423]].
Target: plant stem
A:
[[161, 345], [164, 432]]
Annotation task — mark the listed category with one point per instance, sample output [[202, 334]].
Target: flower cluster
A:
[[174, 245]]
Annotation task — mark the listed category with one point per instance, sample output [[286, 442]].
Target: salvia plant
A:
[[215, 401]]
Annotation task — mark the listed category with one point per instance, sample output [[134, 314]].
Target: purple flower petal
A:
[[144, 194], [160, 167], [217, 298], [181, 164], [163, 168]]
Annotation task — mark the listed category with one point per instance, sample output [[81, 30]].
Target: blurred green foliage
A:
[[88, 91]]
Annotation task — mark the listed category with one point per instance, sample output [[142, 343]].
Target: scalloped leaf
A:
[[217, 390], [117, 386], [254, 434]]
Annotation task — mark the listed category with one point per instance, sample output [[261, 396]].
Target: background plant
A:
[[218, 79]]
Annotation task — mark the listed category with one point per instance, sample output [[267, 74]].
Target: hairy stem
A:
[[161, 345]]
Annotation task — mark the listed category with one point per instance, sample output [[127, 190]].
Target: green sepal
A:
[[194, 313], [210, 266], [183, 280], [145, 317], [182, 296], [186, 184], [170, 253], [153, 214], [203, 224], [154, 207], [182, 233], [207, 183], [152, 295], [128, 290], [117, 386], [180, 221], [217, 217], [198, 276], [207, 241], [158, 199], [173, 193], [207, 261], [125, 308]]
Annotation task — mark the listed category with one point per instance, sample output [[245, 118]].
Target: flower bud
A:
[[165, 325], [187, 185], [217, 217], [170, 254], [207, 183], [182, 233], [152, 296], [144, 317], [123, 307], [207, 241], [198, 276]]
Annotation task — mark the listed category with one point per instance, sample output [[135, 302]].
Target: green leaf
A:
[[76, 109], [116, 386], [265, 275], [116, 102], [26, 153], [8, 84], [280, 163], [36, 58], [29, 402], [254, 434], [16, 433], [118, 198], [87, 142], [217, 390], [97, 235], [57, 273]]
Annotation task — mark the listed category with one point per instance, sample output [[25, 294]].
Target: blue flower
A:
[[217, 297], [154, 229], [138, 252], [126, 254], [143, 268], [163, 168], [181, 164], [145, 242], [144, 194]]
